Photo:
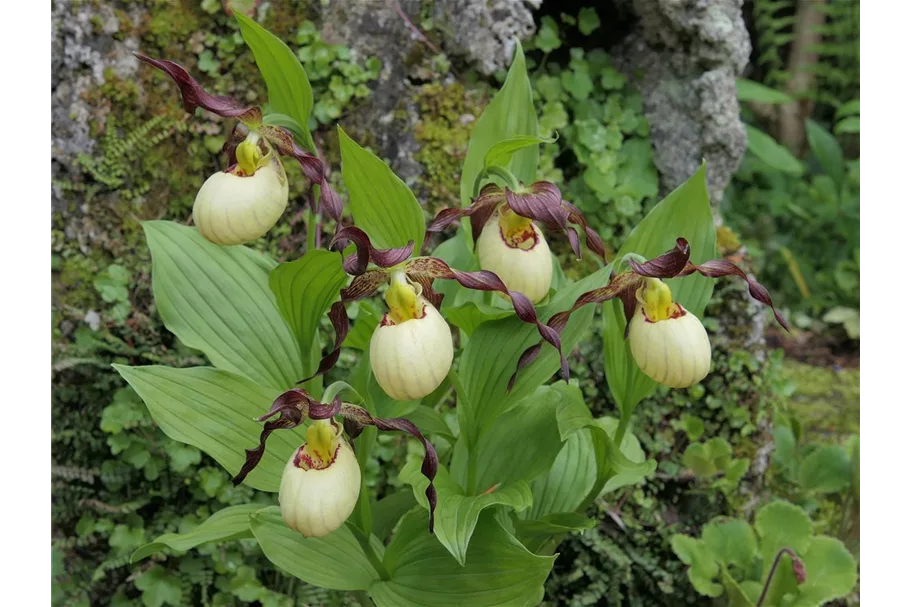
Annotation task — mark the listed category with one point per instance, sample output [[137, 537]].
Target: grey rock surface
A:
[[685, 55]]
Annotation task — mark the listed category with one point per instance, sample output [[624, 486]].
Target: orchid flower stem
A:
[[311, 230], [624, 261], [621, 430], [364, 540], [496, 171]]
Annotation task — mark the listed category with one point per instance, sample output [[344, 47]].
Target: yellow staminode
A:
[[322, 441], [403, 300], [516, 230], [656, 300], [248, 157]]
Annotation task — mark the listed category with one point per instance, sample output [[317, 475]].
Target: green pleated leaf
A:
[[389, 510], [569, 480], [491, 355], [304, 290], [631, 451], [502, 152], [381, 204], [289, 88], [456, 513], [231, 523], [368, 319], [511, 114], [533, 419], [335, 561], [684, 212], [471, 315], [498, 570], [217, 300], [215, 411], [536, 533]]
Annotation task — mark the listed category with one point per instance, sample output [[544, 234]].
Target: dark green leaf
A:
[[217, 299], [216, 412], [381, 204], [289, 88], [388, 511], [160, 587], [502, 152], [831, 572], [498, 571], [781, 525], [731, 541], [510, 114], [456, 513], [335, 561], [304, 290], [228, 524], [703, 566]]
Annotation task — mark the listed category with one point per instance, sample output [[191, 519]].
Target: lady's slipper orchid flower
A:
[[245, 201], [411, 350], [667, 342], [508, 242], [321, 481]]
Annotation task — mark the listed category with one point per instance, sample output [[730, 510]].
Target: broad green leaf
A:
[[501, 153], [781, 525], [702, 564], [217, 300], [289, 88], [827, 151], [535, 533], [632, 451], [826, 469], [736, 595], [335, 561], [510, 114], [748, 90], [457, 514], [684, 212], [160, 587], [429, 421], [491, 355], [731, 541], [470, 315], [532, 419], [304, 290], [216, 412], [772, 153], [388, 511], [831, 572], [570, 479], [381, 204], [498, 570], [368, 319], [230, 523]]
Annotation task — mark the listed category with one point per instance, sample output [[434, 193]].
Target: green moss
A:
[[826, 401], [171, 22], [444, 132], [726, 240]]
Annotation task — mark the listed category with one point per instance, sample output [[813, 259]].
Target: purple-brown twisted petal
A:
[[592, 240], [361, 417], [666, 265], [194, 96], [357, 264], [480, 210], [485, 280]]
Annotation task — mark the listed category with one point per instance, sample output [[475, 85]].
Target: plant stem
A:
[[506, 175], [363, 598], [621, 430], [311, 231], [768, 582], [364, 540]]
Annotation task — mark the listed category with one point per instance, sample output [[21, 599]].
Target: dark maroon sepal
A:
[[666, 265], [195, 96], [384, 258], [480, 210], [542, 202]]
